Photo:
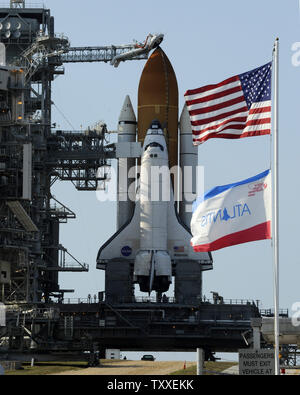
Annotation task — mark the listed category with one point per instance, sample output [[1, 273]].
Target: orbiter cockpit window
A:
[[154, 144]]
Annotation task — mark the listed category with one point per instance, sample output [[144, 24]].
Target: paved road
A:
[[132, 368]]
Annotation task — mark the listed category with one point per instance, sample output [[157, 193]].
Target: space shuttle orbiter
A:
[[152, 236]]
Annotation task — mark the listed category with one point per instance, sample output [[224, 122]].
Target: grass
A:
[[212, 368], [42, 368]]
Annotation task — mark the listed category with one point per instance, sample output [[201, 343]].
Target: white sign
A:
[[2, 315], [256, 362]]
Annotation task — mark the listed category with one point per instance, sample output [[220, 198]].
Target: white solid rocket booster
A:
[[126, 134], [188, 165]]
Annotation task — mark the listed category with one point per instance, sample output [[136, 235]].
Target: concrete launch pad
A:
[[71, 328]]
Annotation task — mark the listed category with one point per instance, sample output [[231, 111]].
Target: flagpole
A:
[[276, 208]]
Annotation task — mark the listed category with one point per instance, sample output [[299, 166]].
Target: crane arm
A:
[[96, 54], [113, 54], [58, 46]]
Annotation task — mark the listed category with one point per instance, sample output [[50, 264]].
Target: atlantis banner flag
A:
[[233, 214], [235, 108]]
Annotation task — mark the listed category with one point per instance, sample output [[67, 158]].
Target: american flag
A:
[[238, 107]]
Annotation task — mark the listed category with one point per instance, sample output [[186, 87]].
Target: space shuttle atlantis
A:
[[153, 239]]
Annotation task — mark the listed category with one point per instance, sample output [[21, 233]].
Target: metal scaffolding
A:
[[33, 156]]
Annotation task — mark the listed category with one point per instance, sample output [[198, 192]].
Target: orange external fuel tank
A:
[[158, 99]]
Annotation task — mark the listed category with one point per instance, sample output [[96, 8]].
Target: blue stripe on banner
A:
[[220, 189]]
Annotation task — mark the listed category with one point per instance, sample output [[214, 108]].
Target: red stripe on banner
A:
[[259, 110], [258, 232], [240, 125], [218, 117], [258, 121], [210, 87], [242, 120], [231, 136], [215, 96], [224, 104], [237, 126]]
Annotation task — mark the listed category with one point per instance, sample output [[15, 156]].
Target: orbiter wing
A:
[[124, 243]]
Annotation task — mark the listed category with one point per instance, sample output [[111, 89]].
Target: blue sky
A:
[[206, 41]]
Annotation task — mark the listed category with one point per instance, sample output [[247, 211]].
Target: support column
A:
[[256, 325], [200, 361]]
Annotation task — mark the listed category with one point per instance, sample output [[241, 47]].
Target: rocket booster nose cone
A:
[[127, 113], [185, 122]]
